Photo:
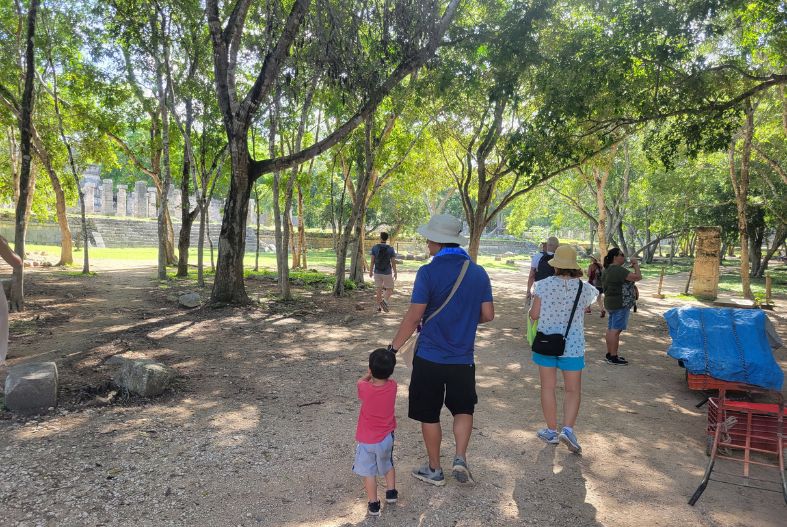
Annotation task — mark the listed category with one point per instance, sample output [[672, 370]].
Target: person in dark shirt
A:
[[383, 270], [613, 281]]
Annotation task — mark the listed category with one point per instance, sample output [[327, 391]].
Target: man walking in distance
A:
[[444, 361], [383, 270], [539, 265]]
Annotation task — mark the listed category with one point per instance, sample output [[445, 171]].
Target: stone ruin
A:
[[705, 273], [142, 202]]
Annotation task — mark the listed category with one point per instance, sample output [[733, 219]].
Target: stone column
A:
[[141, 199], [175, 206], [250, 221], [214, 211], [151, 212], [106, 196], [705, 275], [90, 197], [121, 208]]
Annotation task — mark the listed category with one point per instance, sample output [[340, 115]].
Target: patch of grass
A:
[[192, 275], [310, 277], [681, 296], [730, 281], [77, 274]]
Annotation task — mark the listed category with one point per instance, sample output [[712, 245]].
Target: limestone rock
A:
[[189, 300], [144, 377], [31, 388]]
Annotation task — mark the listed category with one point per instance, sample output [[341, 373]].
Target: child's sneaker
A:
[[461, 472], [391, 496], [567, 436], [374, 508], [548, 436], [427, 475]]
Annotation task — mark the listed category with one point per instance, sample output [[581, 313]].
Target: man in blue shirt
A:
[[444, 364]]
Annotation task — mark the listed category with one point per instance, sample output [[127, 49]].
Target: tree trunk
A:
[[778, 238], [301, 229], [187, 216], [228, 284], [623, 243], [740, 185], [203, 213], [756, 237], [361, 188], [14, 161], [26, 176], [477, 225], [66, 241], [257, 228], [601, 182], [296, 260], [357, 258]]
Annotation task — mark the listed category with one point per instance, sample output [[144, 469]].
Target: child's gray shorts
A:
[[374, 459]]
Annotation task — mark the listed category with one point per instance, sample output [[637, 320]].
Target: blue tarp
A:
[[725, 343]]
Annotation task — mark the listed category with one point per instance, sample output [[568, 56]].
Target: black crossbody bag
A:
[[554, 344]]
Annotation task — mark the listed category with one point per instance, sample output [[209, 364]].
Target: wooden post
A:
[[688, 282], [768, 282], [661, 281]]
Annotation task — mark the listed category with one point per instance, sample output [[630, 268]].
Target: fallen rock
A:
[[31, 388], [144, 377], [359, 306], [189, 300]]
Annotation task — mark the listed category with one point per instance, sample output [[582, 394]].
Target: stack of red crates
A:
[[757, 421]]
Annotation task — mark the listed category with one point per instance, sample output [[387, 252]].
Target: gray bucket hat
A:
[[443, 228]]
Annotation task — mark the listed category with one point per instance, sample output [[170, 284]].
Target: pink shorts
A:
[[384, 281]]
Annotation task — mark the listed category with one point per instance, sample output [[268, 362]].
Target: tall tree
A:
[[417, 32], [26, 182]]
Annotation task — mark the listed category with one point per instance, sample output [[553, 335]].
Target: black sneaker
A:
[[374, 508], [618, 361], [391, 496]]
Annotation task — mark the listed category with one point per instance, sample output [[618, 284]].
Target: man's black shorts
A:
[[431, 384]]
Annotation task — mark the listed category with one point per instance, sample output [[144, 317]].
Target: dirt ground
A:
[[259, 427]]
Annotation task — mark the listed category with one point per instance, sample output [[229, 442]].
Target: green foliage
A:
[[311, 277]]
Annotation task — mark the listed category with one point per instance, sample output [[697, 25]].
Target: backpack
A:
[[544, 270], [630, 294], [382, 260]]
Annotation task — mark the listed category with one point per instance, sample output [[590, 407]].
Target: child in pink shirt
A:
[[375, 430]]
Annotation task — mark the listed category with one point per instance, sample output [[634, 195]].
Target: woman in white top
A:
[[552, 306]]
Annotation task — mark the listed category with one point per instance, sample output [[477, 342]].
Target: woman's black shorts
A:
[[432, 384]]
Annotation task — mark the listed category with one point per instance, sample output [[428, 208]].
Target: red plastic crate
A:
[[758, 421]]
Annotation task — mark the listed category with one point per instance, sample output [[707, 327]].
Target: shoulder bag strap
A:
[[451, 294], [573, 309]]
